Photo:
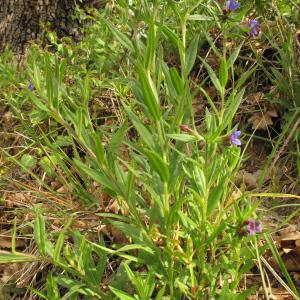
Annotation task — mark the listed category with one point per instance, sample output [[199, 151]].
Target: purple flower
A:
[[232, 5], [254, 28], [234, 138], [253, 226], [30, 86]]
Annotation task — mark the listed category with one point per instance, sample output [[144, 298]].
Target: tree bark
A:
[[21, 20]]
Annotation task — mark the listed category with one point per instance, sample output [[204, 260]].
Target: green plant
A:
[[185, 225]]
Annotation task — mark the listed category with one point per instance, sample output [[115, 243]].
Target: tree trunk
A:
[[21, 20]]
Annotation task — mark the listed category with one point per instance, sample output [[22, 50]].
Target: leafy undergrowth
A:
[[158, 158]]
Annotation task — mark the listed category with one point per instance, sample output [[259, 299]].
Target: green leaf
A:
[[160, 294], [60, 242], [98, 176], [138, 235], [143, 131], [278, 259], [169, 84], [215, 196], [176, 80], [150, 96], [49, 80], [232, 106], [216, 232], [40, 233], [234, 55], [36, 116], [134, 247], [151, 46], [115, 143], [102, 259], [212, 76], [58, 246], [138, 284], [28, 161], [244, 77], [122, 295], [186, 138], [52, 288], [223, 72], [200, 181], [281, 82], [98, 148], [172, 36], [212, 45], [8, 257], [121, 37], [158, 164], [48, 164], [210, 101], [191, 54], [197, 17]]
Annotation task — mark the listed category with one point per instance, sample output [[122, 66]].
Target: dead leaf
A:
[[290, 236], [296, 250], [116, 235], [9, 271], [262, 120], [255, 98], [291, 261], [65, 189], [113, 207], [287, 241], [55, 185], [249, 179], [279, 294], [296, 277], [6, 243], [7, 119], [288, 229]]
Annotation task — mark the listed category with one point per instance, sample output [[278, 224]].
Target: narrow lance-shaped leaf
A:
[[121, 37], [215, 196], [99, 177], [244, 77], [172, 93], [150, 96], [223, 72], [138, 284], [115, 143], [8, 257], [186, 138], [197, 17], [52, 288], [191, 54], [98, 148], [172, 36], [232, 106], [158, 164], [234, 56], [151, 46], [40, 233], [49, 81], [143, 131], [120, 294], [176, 80], [212, 75]]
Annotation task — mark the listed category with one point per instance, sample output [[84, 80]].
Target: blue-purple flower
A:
[[254, 27], [30, 86], [232, 5], [234, 138], [253, 226]]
